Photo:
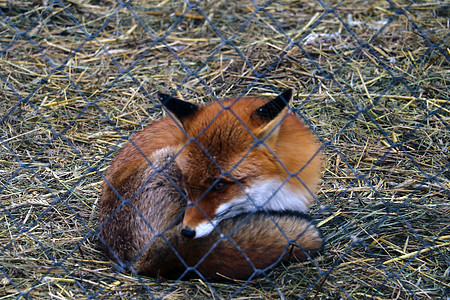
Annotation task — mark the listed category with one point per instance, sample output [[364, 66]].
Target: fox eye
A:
[[218, 186]]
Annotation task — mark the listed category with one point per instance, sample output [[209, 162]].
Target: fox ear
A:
[[272, 109], [181, 109], [273, 112]]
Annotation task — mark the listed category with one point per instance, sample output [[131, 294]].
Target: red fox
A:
[[230, 159]]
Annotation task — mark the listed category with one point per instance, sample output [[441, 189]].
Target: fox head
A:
[[242, 155]]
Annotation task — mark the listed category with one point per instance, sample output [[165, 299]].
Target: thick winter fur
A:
[[226, 171], [131, 230]]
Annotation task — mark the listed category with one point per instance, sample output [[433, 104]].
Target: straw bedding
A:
[[83, 78]]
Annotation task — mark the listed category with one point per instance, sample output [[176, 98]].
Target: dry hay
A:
[[385, 192]]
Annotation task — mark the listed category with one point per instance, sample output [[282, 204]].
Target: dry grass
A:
[[385, 209]]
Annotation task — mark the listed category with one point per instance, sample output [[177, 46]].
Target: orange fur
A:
[[132, 234], [139, 202], [228, 139]]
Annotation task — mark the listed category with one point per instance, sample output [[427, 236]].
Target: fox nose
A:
[[187, 232]]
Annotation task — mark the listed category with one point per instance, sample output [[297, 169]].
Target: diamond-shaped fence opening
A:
[[370, 79]]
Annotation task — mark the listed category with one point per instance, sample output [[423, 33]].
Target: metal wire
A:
[[396, 78]]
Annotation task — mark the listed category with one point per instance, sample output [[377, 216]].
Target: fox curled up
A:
[[248, 169]]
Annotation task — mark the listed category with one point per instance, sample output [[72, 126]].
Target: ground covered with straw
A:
[[371, 79]]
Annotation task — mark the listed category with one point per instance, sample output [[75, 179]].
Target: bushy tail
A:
[[250, 244]]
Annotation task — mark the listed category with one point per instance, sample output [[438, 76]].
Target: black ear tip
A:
[[162, 96], [272, 108], [287, 95], [181, 109]]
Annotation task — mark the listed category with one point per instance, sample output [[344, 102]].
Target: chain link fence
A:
[[371, 79]]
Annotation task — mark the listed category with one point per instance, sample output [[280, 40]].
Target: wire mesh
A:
[[371, 81]]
